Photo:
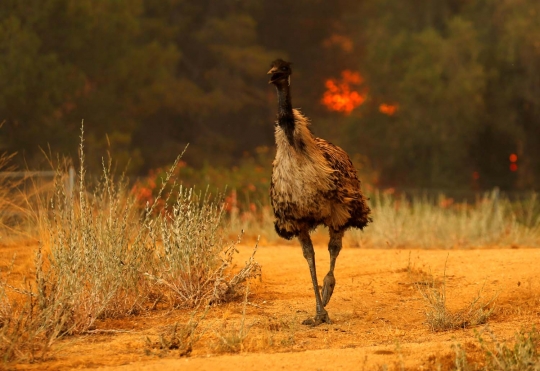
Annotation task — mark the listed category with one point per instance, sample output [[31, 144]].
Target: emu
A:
[[313, 182]]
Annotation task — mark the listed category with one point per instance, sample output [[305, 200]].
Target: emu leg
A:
[[334, 247], [309, 254]]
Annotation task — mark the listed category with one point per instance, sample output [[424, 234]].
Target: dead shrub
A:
[[181, 337]]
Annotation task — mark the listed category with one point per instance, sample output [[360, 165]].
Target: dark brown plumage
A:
[[313, 182]]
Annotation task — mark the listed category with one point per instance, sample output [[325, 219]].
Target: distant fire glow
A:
[[388, 109], [513, 159], [345, 95], [340, 95], [476, 175]]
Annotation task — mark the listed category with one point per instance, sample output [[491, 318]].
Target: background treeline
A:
[[149, 76]]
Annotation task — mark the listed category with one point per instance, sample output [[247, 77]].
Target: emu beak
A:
[[271, 72]]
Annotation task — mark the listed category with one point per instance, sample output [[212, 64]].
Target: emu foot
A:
[[328, 288], [321, 317]]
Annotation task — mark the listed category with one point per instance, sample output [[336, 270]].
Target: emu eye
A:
[[284, 68]]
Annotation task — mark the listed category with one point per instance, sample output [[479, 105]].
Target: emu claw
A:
[[321, 317], [328, 288]]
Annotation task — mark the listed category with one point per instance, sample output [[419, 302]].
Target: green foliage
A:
[[123, 66], [148, 77], [457, 72]]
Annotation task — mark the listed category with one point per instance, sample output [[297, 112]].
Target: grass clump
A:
[[440, 318], [192, 259], [523, 355], [11, 205], [101, 257], [493, 220], [181, 337], [95, 252], [231, 337]]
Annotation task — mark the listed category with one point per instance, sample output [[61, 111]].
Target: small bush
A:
[[101, 258], [523, 356]]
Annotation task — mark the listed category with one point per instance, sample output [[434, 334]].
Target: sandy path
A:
[[377, 313]]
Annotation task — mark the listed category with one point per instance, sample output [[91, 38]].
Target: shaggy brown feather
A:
[[314, 182]]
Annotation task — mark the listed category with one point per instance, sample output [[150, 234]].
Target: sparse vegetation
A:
[[181, 337], [402, 221], [231, 336], [440, 318], [493, 220], [10, 208], [522, 355], [101, 259], [103, 256]]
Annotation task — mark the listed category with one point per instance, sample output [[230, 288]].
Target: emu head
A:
[[280, 71]]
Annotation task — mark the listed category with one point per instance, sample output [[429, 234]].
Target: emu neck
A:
[[285, 111]]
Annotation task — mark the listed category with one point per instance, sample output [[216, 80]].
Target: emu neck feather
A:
[[285, 111]]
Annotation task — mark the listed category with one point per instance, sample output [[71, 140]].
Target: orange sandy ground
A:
[[377, 313]]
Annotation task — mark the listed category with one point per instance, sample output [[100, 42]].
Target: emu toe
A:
[[328, 288], [321, 317]]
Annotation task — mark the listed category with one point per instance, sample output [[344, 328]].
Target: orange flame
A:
[[340, 97], [388, 109]]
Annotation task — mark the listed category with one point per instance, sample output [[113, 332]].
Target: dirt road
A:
[[377, 311]]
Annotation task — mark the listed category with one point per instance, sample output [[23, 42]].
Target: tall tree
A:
[[71, 60], [508, 31], [426, 62]]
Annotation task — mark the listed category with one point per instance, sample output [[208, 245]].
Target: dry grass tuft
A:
[[11, 204], [101, 258], [181, 337], [493, 220], [523, 355], [196, 271], [231, 336], [440, 318]]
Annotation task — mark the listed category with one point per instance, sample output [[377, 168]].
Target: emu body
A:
[[313, 182]]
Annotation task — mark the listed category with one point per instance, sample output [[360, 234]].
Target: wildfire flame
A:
[[388, 109], [340, 97], [513, 159]]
